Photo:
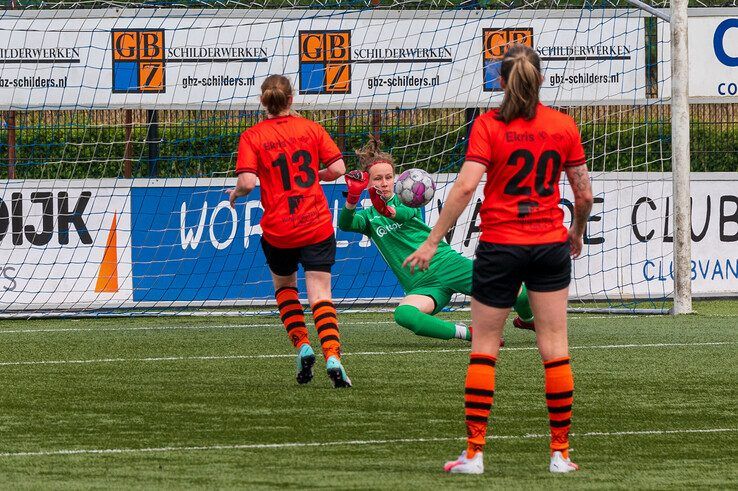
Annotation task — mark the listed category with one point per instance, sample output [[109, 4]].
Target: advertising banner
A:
[[189, 245], [628, 241], [210, 59], [713, 55], [127, 59], [64, 244], [454, 59], [107, 244]]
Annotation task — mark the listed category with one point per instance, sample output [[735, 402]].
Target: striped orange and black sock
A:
[[479, 394], [559, 398], [292, 315], [326, 323]]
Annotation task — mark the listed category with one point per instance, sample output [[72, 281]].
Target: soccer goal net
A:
[[121, 123]]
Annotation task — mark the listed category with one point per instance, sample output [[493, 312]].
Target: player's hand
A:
[[356, 182], [575, 243], [380, 204], [233, 195], [421, 258]]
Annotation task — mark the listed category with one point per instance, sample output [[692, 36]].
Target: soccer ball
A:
[[415, 188]]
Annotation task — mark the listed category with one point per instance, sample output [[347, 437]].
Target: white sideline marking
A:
[[195, 327], [170, 328], [258, 446], [358, 353]]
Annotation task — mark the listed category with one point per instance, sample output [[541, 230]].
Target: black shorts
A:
[[314, 257], [500, 269]]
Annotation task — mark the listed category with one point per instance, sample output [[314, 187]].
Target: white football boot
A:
[[560, 465], [462, 465]]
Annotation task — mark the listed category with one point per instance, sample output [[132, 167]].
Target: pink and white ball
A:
[[415, 188]]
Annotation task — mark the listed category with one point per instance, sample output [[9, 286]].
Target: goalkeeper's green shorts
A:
[[450, 275]]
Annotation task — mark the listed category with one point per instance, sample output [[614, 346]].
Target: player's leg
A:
[[324, 311], [524, 320], [326, 323], [283, 266], [548, 297], [317, 261], [452, 275], [495, 285], [479, 386], [457, 274], [416, 310]]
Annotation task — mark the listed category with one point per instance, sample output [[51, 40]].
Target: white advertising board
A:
[[713, 55], [453, 59], [64, 244], [210, 59], [133, 60], [108, 244], [628, 243]]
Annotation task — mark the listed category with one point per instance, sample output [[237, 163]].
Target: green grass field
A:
[[212, 402]]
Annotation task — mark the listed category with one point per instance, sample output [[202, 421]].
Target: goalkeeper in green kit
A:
[[397, 230]]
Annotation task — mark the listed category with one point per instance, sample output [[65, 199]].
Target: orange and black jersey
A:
[[286, 153], [524, 160]]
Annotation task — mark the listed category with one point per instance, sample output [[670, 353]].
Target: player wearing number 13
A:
[[522, 148], [285, 151]]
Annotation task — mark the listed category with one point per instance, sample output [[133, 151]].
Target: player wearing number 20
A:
[[522, 148], [286, 152]]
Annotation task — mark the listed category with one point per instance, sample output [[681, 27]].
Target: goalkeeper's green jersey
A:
[[397, 238]]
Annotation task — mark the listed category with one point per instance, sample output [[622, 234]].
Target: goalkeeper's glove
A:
[[356, 182], [380, 204]]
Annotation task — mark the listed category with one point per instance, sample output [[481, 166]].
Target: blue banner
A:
[[188, 245]]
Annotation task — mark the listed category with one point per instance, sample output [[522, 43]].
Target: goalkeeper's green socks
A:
[[522, 306], [427, 325], [422, 324]]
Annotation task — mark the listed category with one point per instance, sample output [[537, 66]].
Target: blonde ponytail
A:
[[521, 71]]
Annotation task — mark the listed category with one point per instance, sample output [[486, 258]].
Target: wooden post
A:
[[11, 130], [376, 123], [152, 138], [342, 131], [10, 121], [470, 114], [127, 167]]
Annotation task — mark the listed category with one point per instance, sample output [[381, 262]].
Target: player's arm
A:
[[349, 220], [478, 152], [576, 171], [246, 165], [461, 193], [400, 213], [404, 213], [580, 184], [330, 156], [333, 171], [244, 185]]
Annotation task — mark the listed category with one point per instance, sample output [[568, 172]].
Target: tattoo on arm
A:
[[580, 184], [578, 177]]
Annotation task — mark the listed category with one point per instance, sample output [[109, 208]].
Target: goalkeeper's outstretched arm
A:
[[349, 220], [397, 212]]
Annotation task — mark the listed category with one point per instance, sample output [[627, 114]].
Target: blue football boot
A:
[[337, 373], [305, 362]]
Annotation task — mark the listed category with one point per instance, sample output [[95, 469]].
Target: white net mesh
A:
[[121, 127]]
